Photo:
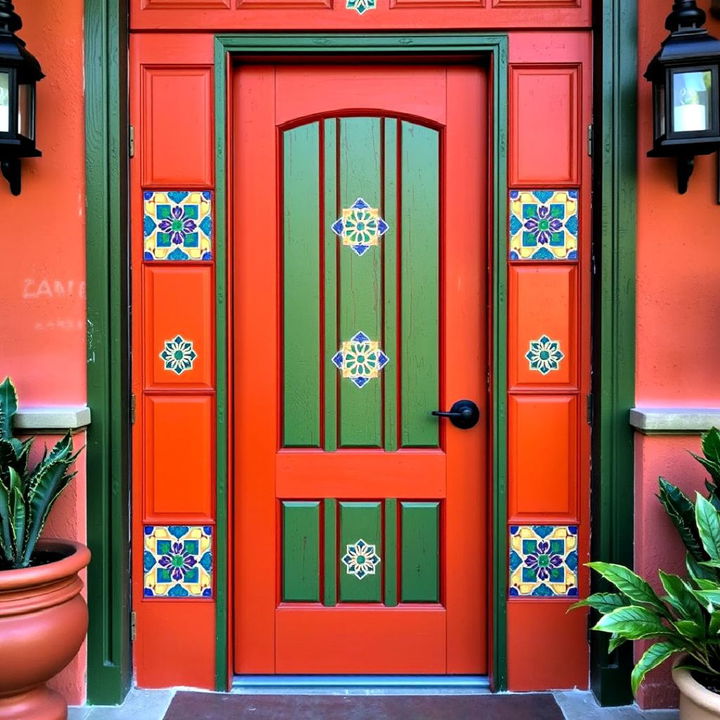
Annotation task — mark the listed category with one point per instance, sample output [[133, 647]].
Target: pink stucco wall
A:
[[678, 329], [656, 542], [678, 258], [42, 238]]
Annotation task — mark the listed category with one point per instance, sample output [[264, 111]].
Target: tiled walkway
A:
[[152, 704]]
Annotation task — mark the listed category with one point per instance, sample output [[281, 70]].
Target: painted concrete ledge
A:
[[53, 419], [680, 421]]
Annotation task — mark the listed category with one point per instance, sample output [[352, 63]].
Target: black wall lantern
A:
[[686, 90], [19, 71]]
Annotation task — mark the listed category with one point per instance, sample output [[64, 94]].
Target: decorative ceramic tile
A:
[[177, 225], [360, 559], [543, 224], [544, 355], [360, 359], [178, 355], [360, 226], [361, 6], [543, 560], [178, 561]]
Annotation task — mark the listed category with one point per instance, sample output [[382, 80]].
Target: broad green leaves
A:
[[654, 656], [629, 584], [633, 623], [603, 602], [708, 525], [687, 619]]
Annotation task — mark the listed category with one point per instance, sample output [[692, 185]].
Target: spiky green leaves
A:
[[26, 496], [8, 408]]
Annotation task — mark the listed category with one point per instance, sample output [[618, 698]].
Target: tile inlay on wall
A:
[[360, 559], [544, 355], [543, 560], [177, 561], [360, 359], [361, 6], [543, 224], [178, 355], [177, 225], [360, 226]]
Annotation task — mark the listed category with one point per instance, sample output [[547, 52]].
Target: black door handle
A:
[[463, 414]]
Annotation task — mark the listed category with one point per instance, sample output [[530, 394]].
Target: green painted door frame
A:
[[490, 49], [108, 341], [106, 32], [614, 233]]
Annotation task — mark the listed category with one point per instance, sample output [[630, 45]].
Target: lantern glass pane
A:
[[691, 106], [25, 111], [4, 102]]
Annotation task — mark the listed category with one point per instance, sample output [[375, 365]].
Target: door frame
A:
[[107, 147], [491, 48]]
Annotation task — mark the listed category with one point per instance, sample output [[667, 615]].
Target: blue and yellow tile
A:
[[177, 225], [543, 560], [178, 561], [360, 359], [544, 224], [360, 227]]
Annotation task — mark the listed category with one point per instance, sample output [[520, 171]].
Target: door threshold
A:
[[361, 684]]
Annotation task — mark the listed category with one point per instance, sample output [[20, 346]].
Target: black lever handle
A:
[[463, 414]]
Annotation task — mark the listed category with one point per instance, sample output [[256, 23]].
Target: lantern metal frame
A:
[[688, 49], [23, 73]]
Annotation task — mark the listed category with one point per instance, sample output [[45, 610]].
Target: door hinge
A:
[[590, 410], [133, 405], [590, 139], [133, 626], [131, 141]]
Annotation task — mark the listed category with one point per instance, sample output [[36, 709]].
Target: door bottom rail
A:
[[361, 684]]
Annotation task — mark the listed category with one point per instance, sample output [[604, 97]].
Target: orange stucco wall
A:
[[678, 336], [42, 236]]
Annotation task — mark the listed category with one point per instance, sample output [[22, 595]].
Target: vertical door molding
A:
[[614, 322], [108, 382]]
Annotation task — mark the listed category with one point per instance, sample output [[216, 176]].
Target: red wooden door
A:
[[359, 223]]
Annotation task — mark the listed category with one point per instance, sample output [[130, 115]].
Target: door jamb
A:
[[492, 46]]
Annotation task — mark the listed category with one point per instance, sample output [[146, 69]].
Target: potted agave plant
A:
[[43, 617], [684, 622]]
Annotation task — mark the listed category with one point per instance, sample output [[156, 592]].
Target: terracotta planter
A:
[[43, 621], [696, 701]]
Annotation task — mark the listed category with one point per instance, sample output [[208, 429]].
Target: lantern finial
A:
[[10, 21], [685, 16]]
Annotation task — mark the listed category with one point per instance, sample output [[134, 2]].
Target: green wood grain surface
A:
[[301, 287], [420, 284], [330, 276], [301, 551], [360, 279], [420, 551], [390, 553], [331, 552], [389, 251], [360, 520]]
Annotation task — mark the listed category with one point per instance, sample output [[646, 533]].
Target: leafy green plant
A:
[[681, 511], [26, 494], [686, 619]]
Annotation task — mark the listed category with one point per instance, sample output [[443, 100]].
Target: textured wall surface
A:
[[678, 340], [42, 239]]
